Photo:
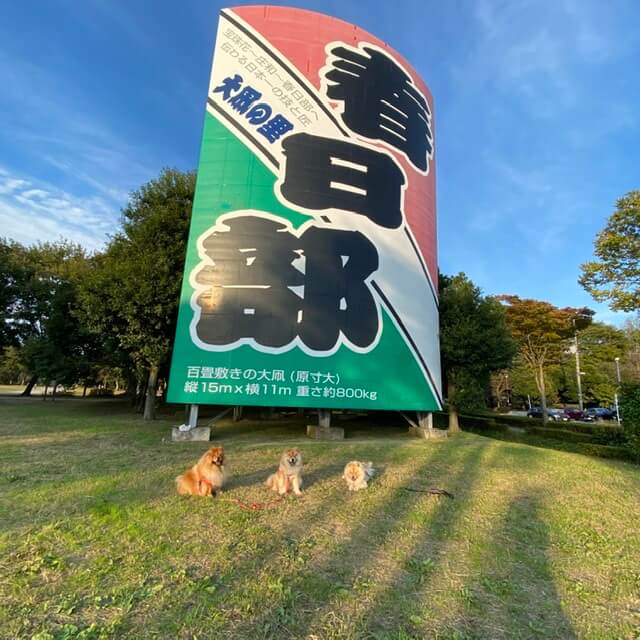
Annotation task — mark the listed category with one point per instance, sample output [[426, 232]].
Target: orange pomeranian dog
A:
[[289, 474], [206, 477], [357, 474]]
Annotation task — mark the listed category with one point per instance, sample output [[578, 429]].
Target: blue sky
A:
[[537, 109]]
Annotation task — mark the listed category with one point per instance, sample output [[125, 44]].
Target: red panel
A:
[[301, 37]]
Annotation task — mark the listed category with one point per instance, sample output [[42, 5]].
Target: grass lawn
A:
[[94, 543]]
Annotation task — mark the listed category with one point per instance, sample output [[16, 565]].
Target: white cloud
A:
[[9, 185], [31, 211], [74, 138], [536, 50]]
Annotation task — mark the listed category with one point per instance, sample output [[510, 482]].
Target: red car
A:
[[576, 414]]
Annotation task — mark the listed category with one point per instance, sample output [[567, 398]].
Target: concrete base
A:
[[196, 434], [426, 433], [324, 433]]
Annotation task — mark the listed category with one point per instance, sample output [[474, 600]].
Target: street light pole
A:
[[578, 371], [616, 395]]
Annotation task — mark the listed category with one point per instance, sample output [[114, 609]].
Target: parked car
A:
[[577, 415], [601, 413], [552, 414]]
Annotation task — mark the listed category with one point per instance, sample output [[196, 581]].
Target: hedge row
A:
[[630, 406], [606, 451], [594, 439], [601, 432], [562, 434]]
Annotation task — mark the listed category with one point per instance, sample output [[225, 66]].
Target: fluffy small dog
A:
[[206, 477], [289, 474], [357, 474]]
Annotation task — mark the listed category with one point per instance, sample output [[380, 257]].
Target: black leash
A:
[[434, 491]]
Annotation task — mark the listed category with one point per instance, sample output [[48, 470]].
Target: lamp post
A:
[[617, 359], [578, 380], [578, 372]]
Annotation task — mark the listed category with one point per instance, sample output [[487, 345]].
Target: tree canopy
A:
[[133, 289], [615, 275], [39, 292], [541, 330], [474, 341]]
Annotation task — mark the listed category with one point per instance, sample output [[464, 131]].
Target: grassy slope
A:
[[94, 543]]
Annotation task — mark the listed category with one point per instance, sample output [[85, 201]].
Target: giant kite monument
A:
[[311, 269]]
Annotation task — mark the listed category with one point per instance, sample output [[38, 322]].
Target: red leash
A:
[[254, 506]]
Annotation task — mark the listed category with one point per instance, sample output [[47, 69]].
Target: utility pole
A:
[[578, 370], [616, 395]]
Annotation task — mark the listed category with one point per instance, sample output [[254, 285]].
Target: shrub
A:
[[561, 434], [630, 405], [606, 451], [517, 421], [480, 423], [602, 433]]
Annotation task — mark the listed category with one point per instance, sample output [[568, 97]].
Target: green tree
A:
[[524, 386], [600, 344], [541, 332], [10, 279], [630, 362], [133, 289], [56, 345], [615, 275], [12, 368], [38, 295], [630, 408], [474, 342]]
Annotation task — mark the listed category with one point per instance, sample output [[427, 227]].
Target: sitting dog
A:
[[357, 474], [289, 474], [206, 477]]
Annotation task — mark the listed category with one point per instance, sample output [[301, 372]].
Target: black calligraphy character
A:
[[254, 290], [228, 85], [381, 102], [248, 294], [336, 296], [324, 173]]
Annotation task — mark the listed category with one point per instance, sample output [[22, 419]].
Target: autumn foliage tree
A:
[[541, 332]]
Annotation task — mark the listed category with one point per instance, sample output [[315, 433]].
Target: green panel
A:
[[230, 178]]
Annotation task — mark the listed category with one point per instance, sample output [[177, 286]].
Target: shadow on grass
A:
[[316, 593], [265, 585], [435, 528], [515, 582], [273, 570], [514, 595]]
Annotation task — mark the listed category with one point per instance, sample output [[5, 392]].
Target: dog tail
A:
[[269, 481], [179, 487]]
